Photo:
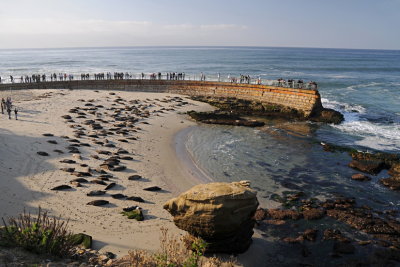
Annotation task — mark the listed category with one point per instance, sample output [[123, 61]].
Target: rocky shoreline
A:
[[241, 107]]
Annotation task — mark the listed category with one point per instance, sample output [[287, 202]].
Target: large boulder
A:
[[220, 213]]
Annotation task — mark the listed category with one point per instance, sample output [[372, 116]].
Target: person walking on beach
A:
[[16, 113], [9, 112], [3, 105]]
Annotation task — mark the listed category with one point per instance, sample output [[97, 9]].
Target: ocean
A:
[[282, 156]]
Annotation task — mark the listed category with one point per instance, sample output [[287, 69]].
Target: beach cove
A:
[[27, 178]]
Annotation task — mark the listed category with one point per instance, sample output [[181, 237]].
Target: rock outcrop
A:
[[220, 213]]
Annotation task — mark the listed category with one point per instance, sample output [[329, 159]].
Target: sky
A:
[[364, 24]]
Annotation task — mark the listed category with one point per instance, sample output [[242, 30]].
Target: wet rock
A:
[[260, 214], [313, 214], [42, 153], [332, 234], [279, 214], [367, 166], [293, 240], [220, 213], [223, 119], [95, 193], [391, 182], [152, 188], [99, 202], [343, 248], [310, 234], [137, 199], [58, 151], [328, 115], [61, 187], [54, 142], [360, 177], [48, 134], [362, 220], [111, 185]]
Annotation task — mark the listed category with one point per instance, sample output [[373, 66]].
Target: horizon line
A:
[[196, 46]]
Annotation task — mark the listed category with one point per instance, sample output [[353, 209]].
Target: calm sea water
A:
[[362, 84]]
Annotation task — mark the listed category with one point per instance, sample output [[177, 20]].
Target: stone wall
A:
[[305, 101]]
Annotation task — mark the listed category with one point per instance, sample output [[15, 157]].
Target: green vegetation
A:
[[134, 214], [42, 235], [184, 252]]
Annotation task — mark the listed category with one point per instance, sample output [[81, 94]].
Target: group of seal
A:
[[106, 130]]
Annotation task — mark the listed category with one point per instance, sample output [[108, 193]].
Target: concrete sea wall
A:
[[302, 100]]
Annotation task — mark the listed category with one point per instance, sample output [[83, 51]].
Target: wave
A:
[[372, 133]]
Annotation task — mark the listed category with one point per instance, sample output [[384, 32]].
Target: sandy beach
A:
[[27, 178]]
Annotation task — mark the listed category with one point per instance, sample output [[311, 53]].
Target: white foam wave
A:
[[343, 107], [376, 136], [365, 85]]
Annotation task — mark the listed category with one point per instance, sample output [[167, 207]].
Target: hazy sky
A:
[[294, 23]]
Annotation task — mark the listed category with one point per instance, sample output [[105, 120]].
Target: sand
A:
[[27, 178]]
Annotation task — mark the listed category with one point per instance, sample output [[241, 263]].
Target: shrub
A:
[[41, 234], [184, 252]]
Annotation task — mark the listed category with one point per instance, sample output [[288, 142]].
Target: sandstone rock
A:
[[278, 214], [368, 166], [360, 177], [391, 182], [220, 213], [313, 214]]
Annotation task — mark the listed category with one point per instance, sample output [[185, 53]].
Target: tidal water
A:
[[362, 84]]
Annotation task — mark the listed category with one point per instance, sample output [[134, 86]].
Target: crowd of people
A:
[[6, 104], [246, 79]]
